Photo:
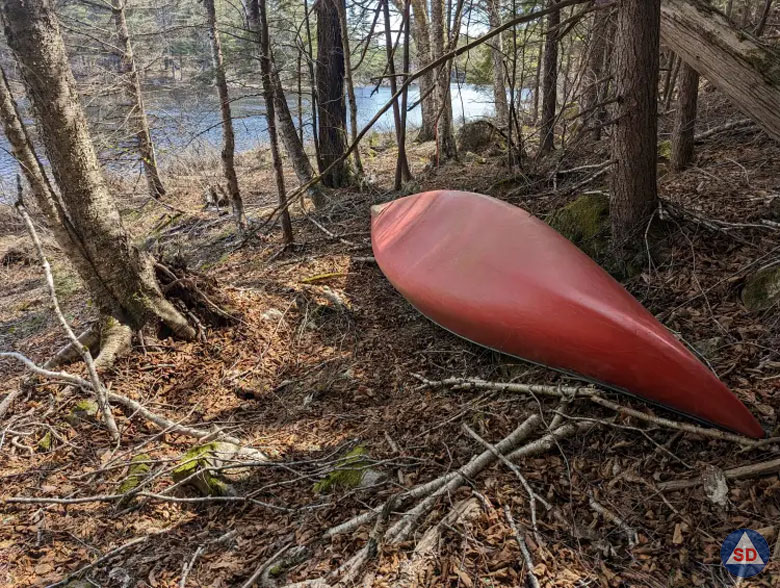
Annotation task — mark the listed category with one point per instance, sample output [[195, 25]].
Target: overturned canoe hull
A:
[[494, 274]]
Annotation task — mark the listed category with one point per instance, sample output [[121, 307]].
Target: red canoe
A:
[[494, 274]]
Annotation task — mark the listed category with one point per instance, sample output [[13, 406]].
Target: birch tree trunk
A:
[[228, 135], [549, 81], [330, 96], [258, 22], [121, 278], [685, 119], [132, 84], [747, 72], [497, 53], [633, 194]]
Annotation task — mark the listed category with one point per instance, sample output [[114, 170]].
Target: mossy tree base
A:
[[762, 290]]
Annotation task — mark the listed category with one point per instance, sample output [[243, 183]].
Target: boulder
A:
[[585, 222], [194, 467], [762, 289], [477, 136]]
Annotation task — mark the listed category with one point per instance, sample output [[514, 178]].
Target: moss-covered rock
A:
[[477, 136], [585, 222], [195, 464], [762, 289], [83, 410], [665, 149], [352, 471], [137, 473]]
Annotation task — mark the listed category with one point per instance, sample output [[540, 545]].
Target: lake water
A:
[[191, 122]]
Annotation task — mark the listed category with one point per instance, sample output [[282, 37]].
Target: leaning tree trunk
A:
[[228, 135], [330, 96], [634, 196], [497, 53], [444, 137], [293, 143], [747, 72], [121, 279], [129, 75], [421, 35], [258, 21], [549, 81], [685, 119]]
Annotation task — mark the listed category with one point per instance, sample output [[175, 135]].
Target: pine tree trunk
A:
[[132, 84], [445, 139], [497, 53], [122, 280], [421, 35], [549, 81], [747, 72], [634, 196], [258, 22], [685, 119], [330, 95], [402, 166], [228, 135]]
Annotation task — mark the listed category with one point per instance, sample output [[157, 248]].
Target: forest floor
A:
[[323, 362]]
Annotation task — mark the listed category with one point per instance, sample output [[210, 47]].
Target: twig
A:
[[259, 571], [97, 385], [754, 470], [633, 539], [531, 494], [533, 581]]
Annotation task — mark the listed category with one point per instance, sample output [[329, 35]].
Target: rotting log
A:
[[733, 61]]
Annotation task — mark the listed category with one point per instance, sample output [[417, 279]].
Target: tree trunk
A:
[[499, 79], [140, 124], [402, 166], [122, 280], [228, 135], [748, 73], [549, 81], [350, 85], [444, 137], [293, 144], [330, 95], [762, 19], [634, 195], [258, 21], [595, 84], [421, 34], [685, 119]]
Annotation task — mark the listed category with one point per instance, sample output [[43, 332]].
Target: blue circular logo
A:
[[744, 553]]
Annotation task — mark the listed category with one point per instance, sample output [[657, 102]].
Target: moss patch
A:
[[45, 442], [762, 290], [136, 474], [665, 149], [585, 222], [83, 410], [348, 473], [197, 459]]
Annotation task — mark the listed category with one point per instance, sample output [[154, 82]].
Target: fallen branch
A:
[[737, 124], [755, 470], [533, 581], [633, 539]]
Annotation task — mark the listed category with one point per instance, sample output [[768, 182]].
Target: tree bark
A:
[[293, 144], [132, 84], [330, 95], [497, 53], [402, 166], [634, 196], [228, 135], [747, 72], [122, 281], [685, 119], [762, 20], [444, 137], [421, 35], [595, 84], [350, 85], [549, 81], [258, 21]]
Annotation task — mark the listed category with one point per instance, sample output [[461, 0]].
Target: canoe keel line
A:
[[494, 274]]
